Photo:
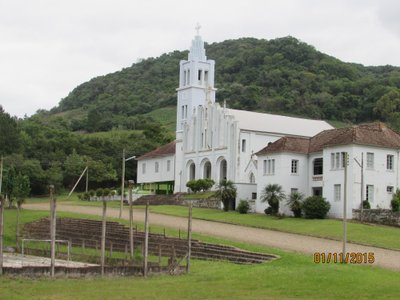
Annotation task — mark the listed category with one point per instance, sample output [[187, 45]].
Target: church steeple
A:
[[196, 82], [197, 51]]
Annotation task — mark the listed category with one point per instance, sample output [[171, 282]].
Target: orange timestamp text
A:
[[348, 257]]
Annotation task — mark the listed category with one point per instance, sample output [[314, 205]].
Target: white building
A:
[[315, 166], [216, 142]]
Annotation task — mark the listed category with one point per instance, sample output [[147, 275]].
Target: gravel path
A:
[[293, 242]]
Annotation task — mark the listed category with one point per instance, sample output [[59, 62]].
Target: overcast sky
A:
[[48, 47]]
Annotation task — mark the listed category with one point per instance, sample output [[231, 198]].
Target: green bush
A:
[[243, 207], [106, 192], [200, 185], [92, 193], [395, 203], [85, 197], [366, 204], [295, 202], [193, 185], [99, 192], [315, 207]]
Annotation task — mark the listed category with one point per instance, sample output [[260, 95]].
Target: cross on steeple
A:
[[198, 27]]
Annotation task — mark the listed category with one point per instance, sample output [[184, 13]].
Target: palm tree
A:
[[294, 202], [226, 192], [272, 194]]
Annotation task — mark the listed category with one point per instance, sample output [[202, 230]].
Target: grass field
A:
[[291, 276], [375, 235]]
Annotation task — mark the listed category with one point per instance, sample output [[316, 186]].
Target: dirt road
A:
[[293, 242]]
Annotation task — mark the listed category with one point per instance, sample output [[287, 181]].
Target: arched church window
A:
[[252, 178], [223, 170], [207, 170]]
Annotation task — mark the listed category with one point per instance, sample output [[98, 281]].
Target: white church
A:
[[216, 142]]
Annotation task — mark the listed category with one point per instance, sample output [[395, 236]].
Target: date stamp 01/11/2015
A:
[[348, 258]]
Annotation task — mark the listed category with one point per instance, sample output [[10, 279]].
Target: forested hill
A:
[[282, 75]]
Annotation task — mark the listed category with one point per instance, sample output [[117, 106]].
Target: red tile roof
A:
[[168, 149], [287, 144], [374, 134]]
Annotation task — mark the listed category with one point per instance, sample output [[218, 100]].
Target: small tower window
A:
[[243, 145], [206, 76], [199, 75], [184, 78]]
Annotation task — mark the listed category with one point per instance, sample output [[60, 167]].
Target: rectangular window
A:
[[370, 160], [206, 76], [143, 168], [156, 167], [337, 160], [318, 170], [168, 165], [269, 166], [183, 111], [295, 165], [243, 145], [253, 196], [199, 75], [293, 190], [389, 189], [343, 156], [389, 162], [188, 77], [337, 192], [369, 193], [332, 160]]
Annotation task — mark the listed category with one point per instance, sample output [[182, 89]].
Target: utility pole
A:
[[122, 183], [189, 237], [87, 177], [52, 230], [1, 173], [1, 233], [346, 162], [362, 184], [131, 182]]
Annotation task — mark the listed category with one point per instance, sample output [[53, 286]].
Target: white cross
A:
[[198, 28]]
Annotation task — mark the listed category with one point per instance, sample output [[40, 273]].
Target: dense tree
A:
[[9, 137]]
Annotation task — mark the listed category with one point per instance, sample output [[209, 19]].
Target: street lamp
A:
[[123, 180]]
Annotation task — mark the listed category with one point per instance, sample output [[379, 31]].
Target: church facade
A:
[[213, 141]]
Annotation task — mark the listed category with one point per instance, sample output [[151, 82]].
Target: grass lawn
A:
[[291, 276], [376, 235]]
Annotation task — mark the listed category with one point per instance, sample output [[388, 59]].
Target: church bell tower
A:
[[196, 83]]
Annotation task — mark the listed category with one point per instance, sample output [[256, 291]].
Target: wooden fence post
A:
[[52, 230], [146, 239], [1, 233], [103, 237], [189, 237], [130, 182]]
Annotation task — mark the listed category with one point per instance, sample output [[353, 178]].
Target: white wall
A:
[[150, 175], [282, 176], [379, 177]]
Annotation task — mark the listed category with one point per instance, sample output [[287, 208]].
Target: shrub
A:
[[92, 193], [85, 197], [193, 185], [106, 192], [243, 207], [366, 204], [295, 202], [99, 192], [395, 203], [200, 185], [272, 194], [315, 207]]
